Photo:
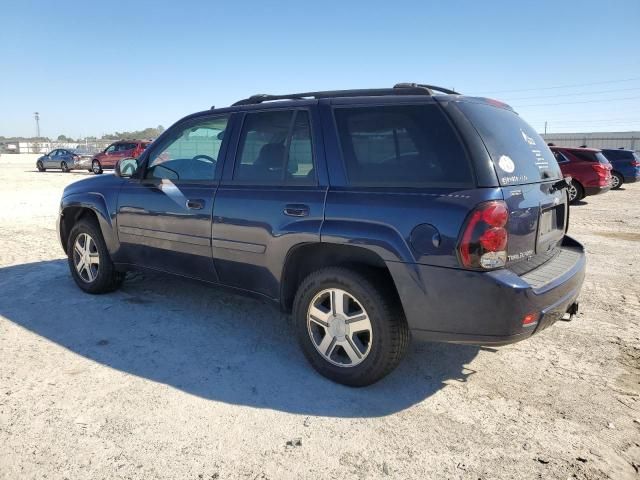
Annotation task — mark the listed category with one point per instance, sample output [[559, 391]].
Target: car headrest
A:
[[271, 155]]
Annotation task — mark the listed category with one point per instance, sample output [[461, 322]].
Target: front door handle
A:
[[195, 204], [296, 210]]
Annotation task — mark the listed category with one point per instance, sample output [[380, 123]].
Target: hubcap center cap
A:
[[338, 327]]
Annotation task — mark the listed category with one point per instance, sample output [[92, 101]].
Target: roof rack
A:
[[398, 89]]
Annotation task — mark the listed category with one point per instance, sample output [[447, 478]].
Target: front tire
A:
[[89, 260], [64, 167], [96, 167], [348, 327], [616, 180]]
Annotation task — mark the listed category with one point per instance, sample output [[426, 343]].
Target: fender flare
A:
[[76, 203]]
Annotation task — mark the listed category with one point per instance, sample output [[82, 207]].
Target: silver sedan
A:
[[64, 159]]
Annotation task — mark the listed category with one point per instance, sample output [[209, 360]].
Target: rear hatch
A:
[[527, 171]]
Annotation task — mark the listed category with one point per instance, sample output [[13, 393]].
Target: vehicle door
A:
[[50, 160], [271, 197], [67, 157], [106, 158], [164, 215]]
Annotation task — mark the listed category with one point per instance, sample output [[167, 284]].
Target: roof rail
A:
[[431, 88], [398, 89]]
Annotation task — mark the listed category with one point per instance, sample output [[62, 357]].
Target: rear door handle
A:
[[296, 210], [195, 204]]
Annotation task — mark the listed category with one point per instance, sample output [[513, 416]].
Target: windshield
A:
[[519, 154]]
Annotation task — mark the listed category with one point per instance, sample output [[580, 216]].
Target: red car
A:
[[589, 169], [108, 158]]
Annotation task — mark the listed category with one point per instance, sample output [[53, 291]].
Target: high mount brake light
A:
[[483, 243]]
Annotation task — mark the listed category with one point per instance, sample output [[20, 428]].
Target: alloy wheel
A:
[[96, 166], [615, 181], [573, 192], [339, 327], [86, 258]]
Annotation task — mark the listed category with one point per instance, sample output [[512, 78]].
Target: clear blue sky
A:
[[95, 67]]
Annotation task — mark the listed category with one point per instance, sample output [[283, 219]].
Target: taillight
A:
[[76, 158], [601, 170], [635, 163], [483, 243]]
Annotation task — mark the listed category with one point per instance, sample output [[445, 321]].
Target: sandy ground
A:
[[168, 378]]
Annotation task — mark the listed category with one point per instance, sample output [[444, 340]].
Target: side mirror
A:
[[126, 167]]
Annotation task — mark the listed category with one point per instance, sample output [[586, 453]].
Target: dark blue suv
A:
[[626, 166], [370, 215]]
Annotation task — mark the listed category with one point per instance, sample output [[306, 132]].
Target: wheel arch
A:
[[307, 258], [90, 206]]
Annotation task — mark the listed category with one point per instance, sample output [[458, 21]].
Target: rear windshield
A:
[[519, 154], [401, 146]]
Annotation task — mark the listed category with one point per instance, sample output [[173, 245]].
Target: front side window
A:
[[190, 153], [275, 147], [402, 146], [110, 149]]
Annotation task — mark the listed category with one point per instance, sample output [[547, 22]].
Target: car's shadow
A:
[[209, 342]]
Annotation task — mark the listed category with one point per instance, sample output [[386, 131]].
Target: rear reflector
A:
[[530, 319]]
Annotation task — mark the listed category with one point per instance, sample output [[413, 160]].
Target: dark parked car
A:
[[589, 169], [369, 215], [625, 165], [108, 158], [62, 158]]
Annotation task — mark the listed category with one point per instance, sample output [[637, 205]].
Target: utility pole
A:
[[545, 127], [37, 117]]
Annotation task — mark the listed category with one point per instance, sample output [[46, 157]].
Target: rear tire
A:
[[64, 167], [89, 260], [352, 356], [40, 167], [616, 180], [576, 192], [96, 167]]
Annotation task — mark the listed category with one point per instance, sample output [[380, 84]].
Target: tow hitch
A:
[[572, 311]]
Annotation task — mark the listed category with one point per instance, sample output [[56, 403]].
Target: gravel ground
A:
[[168, 378]]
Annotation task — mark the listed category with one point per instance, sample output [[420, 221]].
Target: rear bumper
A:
[[487, 308], [596, 190]]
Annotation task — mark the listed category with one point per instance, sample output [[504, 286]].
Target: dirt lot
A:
[[172, 379]]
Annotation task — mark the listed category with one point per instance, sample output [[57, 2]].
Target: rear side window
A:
[[615, 154], [590, 156], [560, 158], [519, 154], [619, 154], [275, 147], [401, 146]]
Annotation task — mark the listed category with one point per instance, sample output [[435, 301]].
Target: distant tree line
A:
[[147, 133]]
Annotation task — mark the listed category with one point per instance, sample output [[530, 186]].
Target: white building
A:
[[629, 140]]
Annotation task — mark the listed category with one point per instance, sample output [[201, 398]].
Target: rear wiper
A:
[[561, 184]]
